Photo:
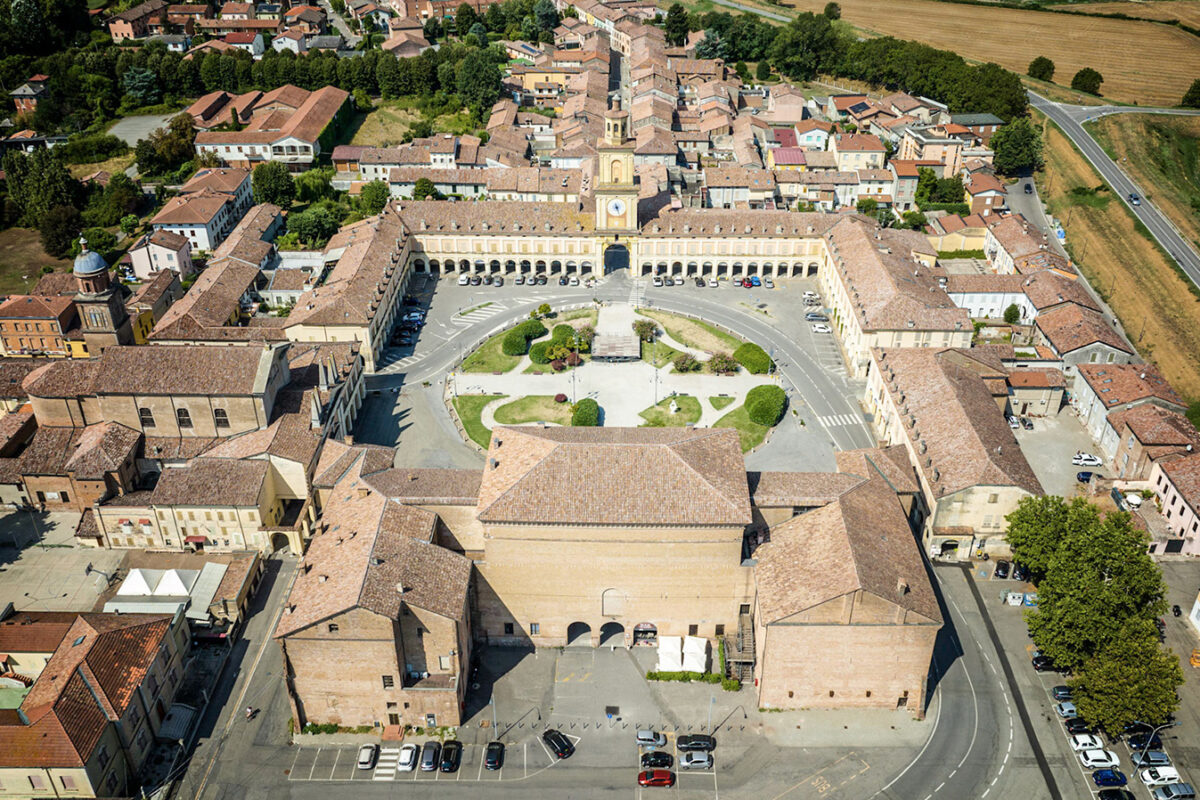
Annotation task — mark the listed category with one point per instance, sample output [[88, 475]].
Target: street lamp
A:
[[1150, 738], [745, 716]]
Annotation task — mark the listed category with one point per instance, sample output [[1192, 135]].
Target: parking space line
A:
[[525, 760], [336, 755], [316, 758], [543, 744], [479, 776], [292, 771]]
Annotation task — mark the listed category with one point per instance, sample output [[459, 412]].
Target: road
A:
[[352, 39], [1070, 120]]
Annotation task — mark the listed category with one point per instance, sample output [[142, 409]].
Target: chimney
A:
[[322, 578], [363, 491], [901, 587]]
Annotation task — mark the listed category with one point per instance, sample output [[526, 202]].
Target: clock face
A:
[[616, 207]]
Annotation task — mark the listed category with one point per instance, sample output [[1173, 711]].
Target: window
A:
[[534, 629], [183, 418], [111, 781], [719, 630], [68, 783], [693, 630], [141, 739], [420, 632], [146, 417], [388, 682], [393, 719], [508, 629], [333, 627], [220, 418], [37, 782]]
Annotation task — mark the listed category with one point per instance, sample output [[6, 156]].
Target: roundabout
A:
[[670, 370]]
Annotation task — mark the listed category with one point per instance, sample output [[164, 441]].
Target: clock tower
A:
[[616, 188]]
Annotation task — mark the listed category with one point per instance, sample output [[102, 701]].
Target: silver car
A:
[[695, 760]]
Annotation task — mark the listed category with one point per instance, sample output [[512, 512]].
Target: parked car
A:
[[487, 280], [1043, 664], [1078, 725], [712, 283], [657, 281], [657, 759], [811, 295], [476, 280], [430, 756], [1012, 422], [697, 759], [493, 756], [499, 280], [767, 282], [755, 280], [1150, 758], [1138, 741], [367, 755], [1020, 572], [541, 280], [1109, 777], [1066, 709], [649, 738], [1114, 794], [1061, 692], [1028, 188], [815, 316], [1082, 459], [700, 281], [1175, 791], [1099, 759], [1001, 570], [574, 281], [656, 777], [747, 283], [1087, 477], [451, 755], [1086, 741], [464, 279], [1159, 776], [558, 743], [696, 741], [519, 280], [409, 755], [668, 281], [1026, 423], [821, 327]]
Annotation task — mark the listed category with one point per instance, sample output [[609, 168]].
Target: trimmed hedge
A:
[[753, 358], [533, 329], [514, 343], [684, 677], [765, 404], [562, 334], [537, 353], [586, 414]]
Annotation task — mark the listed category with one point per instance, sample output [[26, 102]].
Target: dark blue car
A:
[[1138, 741], [1109, 777]]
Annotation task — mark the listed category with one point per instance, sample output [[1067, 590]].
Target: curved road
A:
[[1070, 120]]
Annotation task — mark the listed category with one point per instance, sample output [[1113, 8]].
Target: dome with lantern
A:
[[89, 262]]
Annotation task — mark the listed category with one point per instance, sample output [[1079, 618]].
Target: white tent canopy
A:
[[695, 654], [670, 654]]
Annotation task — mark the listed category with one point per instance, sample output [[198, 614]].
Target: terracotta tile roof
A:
[[210, 303], [35, 631], [212, 481], [196, 208], [534, 180], [26, 306], [890, 463], [1070, 327], [13, 372], [247, 242], [151, 291], [982, 182], [47, 451], [742, 223], [429, 486], [800, 489], [691, 477], [1036, 379], [984, 283], [373, 549], [1117, 384], [739, 177], [1048, 289], [280, 115], [857, 142], [168, 239], [958, 433], [1184, 474], [219, 179], [102, 448], [859, 542], [1160, 430]]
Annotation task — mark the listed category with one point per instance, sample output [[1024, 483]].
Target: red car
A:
[[656, 777], [746, 284]]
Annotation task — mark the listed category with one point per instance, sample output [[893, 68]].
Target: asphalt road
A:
[[1070, 119]]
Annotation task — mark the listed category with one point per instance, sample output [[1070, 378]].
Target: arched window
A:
[[183, 418], [220, 417], [146, 417]]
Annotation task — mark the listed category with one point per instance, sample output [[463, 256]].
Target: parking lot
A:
[[1049, 447]]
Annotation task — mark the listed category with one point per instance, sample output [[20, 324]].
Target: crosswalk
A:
[[840, 420], [482, 312], [386, 766], [637, 293]]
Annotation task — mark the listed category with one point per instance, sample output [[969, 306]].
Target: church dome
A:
[[89, 262]]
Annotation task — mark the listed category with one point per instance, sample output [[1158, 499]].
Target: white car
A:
[[1086, 460], [464, 279], [410, 754], [712, 283], [1086, 741], [366, 755], [767, 282], [657, 281], [1159, 776], [1012, 422], [1099, 759], [574, 281], [819, 328], [811, 296]]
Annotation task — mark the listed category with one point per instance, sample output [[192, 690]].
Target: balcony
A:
[[423, 681]]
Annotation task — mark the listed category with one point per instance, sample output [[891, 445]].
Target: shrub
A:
[[586, 413], [562, 334], [686, 362], [532, 329], [645, 329], [91, 148], [537, 353], [731, 684], [560, 398], [573, 359], [558, 365], [722, 363], [765, 404], [514, 343], [753, 358]]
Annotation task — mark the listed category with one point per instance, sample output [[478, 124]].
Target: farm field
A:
[[1119, 49], [1163, 155], [1157, 308], [1186, 11]]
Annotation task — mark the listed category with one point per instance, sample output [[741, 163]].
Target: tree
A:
[[28, 24], [38, 182], [141, 85], [1134, 680], [1087, 80], [832, 11], [494, 18], [542, 312], [424, 189], [314, 184], [314, 226], [676, 26], [433, 29], [272, 183], [646, 330], [914, 220], [765, 404], [1192, 98], [480, 32], [1012, 314], [808, 45], [1017, 147], [585, 413], [763, 71], [464, 17], [59, 228], [1041, 68], [867, 205], [374, 197], [362, 101], [711, 46], [722, 364], [686, 362], [546, 14], [129, 224], [1035, 528], [479, 81]]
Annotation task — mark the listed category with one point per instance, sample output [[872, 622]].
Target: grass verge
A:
[[720, 402], [534, 408], [660, 416], [469, 408], [489, 357], [694, 333], [659, 355], [750, 432]]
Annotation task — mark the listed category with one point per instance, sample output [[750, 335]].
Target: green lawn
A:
[[750, 432], [490, 358], [660, 416], [720, 402], [660, 355], [22, 259], [589, 314], [534, 408], [693, 332], [469, 408]]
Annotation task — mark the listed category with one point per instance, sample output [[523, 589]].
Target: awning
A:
[[195, 539]]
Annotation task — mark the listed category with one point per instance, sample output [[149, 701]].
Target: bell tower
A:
[[616, 187], [100, 302]]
